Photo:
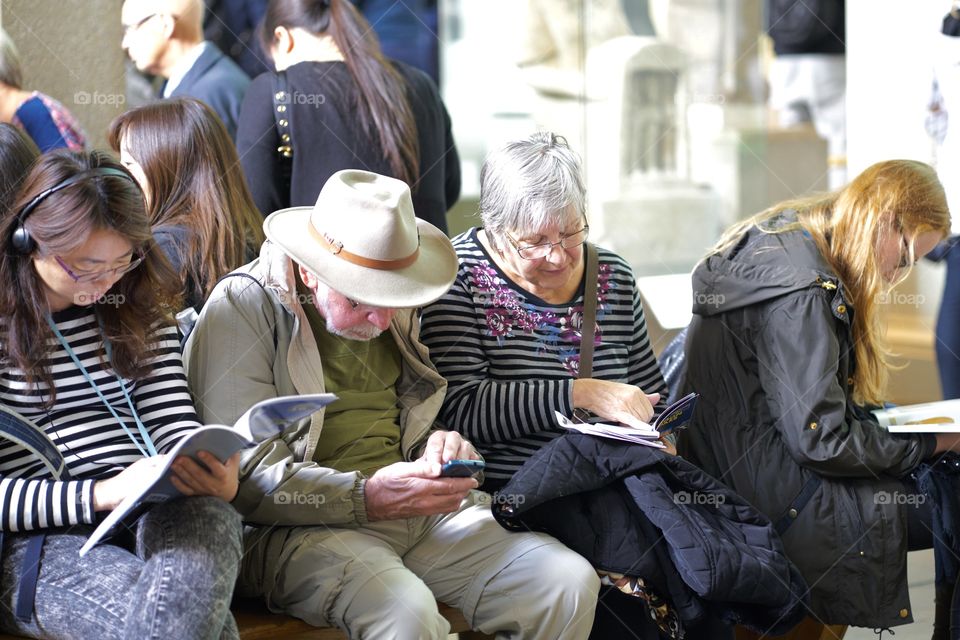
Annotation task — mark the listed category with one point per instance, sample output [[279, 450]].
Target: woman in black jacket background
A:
[[345, 106]]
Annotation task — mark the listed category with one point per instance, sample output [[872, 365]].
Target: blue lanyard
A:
[[151, 450]]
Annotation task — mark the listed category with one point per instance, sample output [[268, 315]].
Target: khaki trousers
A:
[[382, 581]]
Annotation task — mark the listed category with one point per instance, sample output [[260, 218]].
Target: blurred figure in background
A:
[[46, 121], [200, 208], [343, 106], [165, 38], [232, 26], [808, 76], [407, 31], [946, 97]]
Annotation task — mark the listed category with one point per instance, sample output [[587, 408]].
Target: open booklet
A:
[[263, 420], [930, 417], [674, 417]]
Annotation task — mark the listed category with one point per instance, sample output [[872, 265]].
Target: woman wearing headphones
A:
[[90, 357]]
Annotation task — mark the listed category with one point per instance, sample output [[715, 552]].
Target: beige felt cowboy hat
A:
[[362, 240]]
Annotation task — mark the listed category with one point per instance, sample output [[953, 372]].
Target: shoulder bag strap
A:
[[252, 278], [589, 321]]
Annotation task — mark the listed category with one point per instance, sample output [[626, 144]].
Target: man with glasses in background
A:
[[165, 38]]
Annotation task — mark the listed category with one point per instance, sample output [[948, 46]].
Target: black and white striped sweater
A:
[[510, 358], [94, 446]]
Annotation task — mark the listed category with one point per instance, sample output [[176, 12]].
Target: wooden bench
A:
[[257, 623], [808, 629]]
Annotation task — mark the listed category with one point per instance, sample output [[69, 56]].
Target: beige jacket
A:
[[252, 343]]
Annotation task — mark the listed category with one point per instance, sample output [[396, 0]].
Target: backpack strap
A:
[[243, 274]]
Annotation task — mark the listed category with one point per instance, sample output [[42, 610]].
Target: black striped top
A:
[[510, 358], [93, 445]]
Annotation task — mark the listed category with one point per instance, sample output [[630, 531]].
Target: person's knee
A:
[[570, 571], [394, 604], [567, 586], [361, 587], [215, 512], [198, 521], [218, 519]]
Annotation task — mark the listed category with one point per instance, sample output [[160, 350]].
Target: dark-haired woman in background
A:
[[88, 354], [17, 154], [202, 214], [346, 107]]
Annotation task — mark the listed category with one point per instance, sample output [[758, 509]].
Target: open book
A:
[[930, 417], [263, 420], [674, 417]]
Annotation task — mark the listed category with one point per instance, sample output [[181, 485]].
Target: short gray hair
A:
[[526, 185], [10, 72]]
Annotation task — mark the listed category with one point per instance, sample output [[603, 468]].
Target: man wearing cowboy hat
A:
[[353, 526]]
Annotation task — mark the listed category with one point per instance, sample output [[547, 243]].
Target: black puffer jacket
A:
[[770, 351], [635, 510]]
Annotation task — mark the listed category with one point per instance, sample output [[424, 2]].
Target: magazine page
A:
[[648, 436], [674, 417], [222, 442], [264, 420], [677, 415], [929, 417]]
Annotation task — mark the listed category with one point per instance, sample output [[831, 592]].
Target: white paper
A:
[[649, 437], [929, 417]]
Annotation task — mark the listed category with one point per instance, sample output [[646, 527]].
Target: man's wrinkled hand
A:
[[409, 489]]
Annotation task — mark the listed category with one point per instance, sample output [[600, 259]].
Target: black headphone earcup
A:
[[22, 241]]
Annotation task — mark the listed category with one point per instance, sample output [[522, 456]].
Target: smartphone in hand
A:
[[461, 468]]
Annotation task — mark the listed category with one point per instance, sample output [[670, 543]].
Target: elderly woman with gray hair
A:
[[507, 334]]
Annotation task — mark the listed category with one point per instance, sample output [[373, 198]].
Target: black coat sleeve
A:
[[809, 405], [257, 143]]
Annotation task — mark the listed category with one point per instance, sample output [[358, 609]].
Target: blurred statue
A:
[[719, 38]]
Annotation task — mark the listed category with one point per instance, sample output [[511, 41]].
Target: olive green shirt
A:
[[361, 430]]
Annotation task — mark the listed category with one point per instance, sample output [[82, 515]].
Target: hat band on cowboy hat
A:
[[336, 248], [362, 240]]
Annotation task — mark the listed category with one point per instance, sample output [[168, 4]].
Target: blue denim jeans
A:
[[175, 582]]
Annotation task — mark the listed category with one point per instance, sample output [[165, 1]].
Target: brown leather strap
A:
[[589, 320], [336, 248]]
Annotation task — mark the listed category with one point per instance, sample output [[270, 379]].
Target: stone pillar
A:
[[70, 50]]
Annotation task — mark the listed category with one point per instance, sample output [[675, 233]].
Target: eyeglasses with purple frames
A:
[[93, 276]]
